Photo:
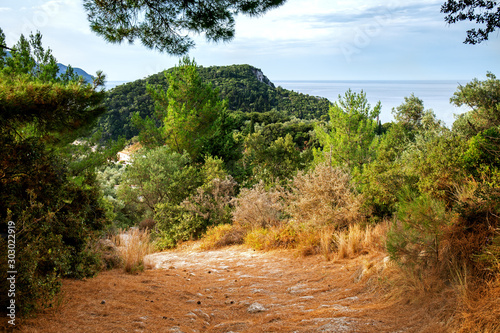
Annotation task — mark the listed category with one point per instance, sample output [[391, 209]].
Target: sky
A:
[[301, 40]]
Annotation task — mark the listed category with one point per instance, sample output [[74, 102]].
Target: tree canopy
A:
[[189, 106], [486, 13], [164, 25]]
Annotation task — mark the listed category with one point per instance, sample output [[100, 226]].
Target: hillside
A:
[[62, 69], [245, 88], [86, 76]]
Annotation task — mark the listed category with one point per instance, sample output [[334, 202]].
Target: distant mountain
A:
[[62, 69], [87, 77], [246, 88]]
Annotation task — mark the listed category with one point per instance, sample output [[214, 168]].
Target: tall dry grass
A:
[[357, 240], [480, 311], [133, 246]]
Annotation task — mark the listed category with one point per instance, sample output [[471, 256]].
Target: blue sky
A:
[[302, 40]]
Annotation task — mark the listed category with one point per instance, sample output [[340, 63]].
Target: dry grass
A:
[[222, 235], [133, 245], [326, 240], [304, 218], [480, 311], [282, 236], [357, 240]]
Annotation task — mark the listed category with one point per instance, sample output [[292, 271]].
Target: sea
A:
[[435, 94]]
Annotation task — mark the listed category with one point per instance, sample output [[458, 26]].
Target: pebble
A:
[[256, 307]]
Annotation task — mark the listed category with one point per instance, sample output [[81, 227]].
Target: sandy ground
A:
[[229, 290]]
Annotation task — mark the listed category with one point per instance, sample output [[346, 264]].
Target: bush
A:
[[46, 206], [121, 214], [109, 253], [472, 240], [323, 197], [158, 176], [147, 224], [305, 217], [175, 224], [212, 202], [258, 207], [209, 206], [223, 235]]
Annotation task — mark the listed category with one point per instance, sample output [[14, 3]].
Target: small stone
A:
[[103, 302], [199, 302], [256, 307]]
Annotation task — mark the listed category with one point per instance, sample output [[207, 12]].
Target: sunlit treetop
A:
[[36, 100]]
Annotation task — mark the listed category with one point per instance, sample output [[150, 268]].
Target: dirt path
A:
[[229, 290]]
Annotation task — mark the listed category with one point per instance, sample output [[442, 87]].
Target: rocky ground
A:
[[229, 290]]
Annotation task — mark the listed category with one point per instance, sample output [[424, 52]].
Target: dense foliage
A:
[[239, 85], [47, 185]]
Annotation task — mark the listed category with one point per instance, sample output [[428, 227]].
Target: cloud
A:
[[364, 13], [314, 39], [324, 25]]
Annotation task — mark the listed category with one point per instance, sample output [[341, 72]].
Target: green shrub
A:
[[417, 232], [174, 224], [56, 220], [158, 176]]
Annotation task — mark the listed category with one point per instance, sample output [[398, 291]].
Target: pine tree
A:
[[352, 128], [190, 108]]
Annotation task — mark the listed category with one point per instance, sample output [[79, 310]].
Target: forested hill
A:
[[245, 88]]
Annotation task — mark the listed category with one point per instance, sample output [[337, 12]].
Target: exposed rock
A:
[[261, 77], [341, 324], [256, 307]]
